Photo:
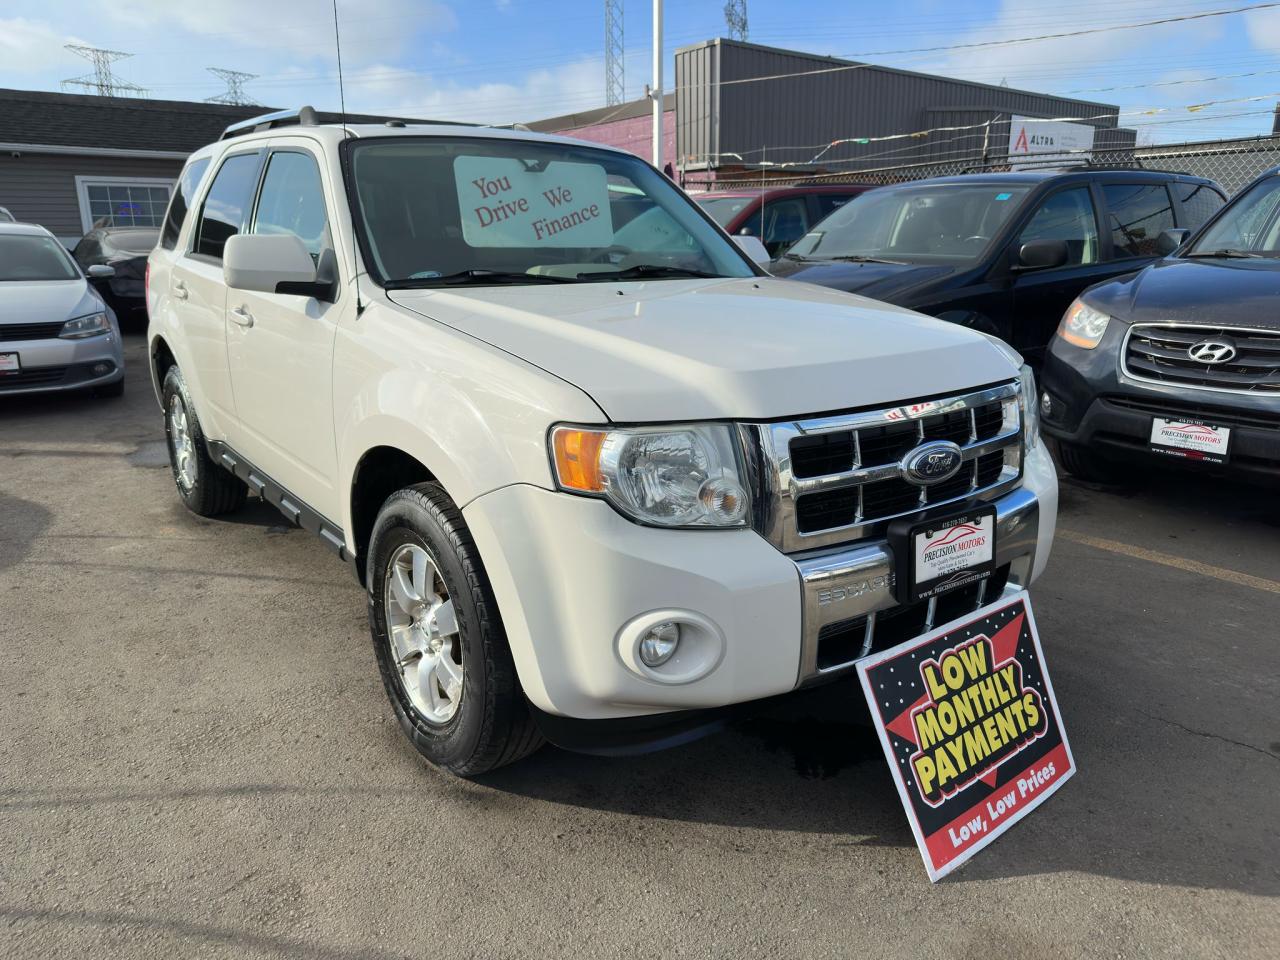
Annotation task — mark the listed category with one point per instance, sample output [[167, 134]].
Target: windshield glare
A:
[[723, 209], [1250, 225], [32, 257], [928, 223], [434, 208]]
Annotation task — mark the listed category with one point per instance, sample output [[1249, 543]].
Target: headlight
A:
[[680, 476], [1030, 407], [1083, 326], [81, 327]]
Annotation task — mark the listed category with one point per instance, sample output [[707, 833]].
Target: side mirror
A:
[[101, 271], [1043, 254], [753, 248], [1171, 240], [272, 263]]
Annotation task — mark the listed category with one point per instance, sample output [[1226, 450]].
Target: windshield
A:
[[1250, 225], [436, 211], [723, 209], [32, 257], [926, 223]]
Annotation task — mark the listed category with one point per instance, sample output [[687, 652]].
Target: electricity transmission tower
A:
[[234, 94], [102, 81], [735, 18], [615, 86]]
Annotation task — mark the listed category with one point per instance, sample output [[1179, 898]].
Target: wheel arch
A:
[[161, 359], [379, 472]]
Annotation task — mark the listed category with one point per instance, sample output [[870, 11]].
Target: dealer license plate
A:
[[1190, 440], [9, 363], [951, 553]]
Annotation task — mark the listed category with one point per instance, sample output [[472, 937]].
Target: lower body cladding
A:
[[579, 587], [54, 364]]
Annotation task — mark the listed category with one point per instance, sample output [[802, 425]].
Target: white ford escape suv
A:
[[601, 476]]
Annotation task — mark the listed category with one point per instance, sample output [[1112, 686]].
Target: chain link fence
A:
[[1232, 163]]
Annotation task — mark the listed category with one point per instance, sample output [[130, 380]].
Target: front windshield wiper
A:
[[1227, 252], [474, 276], [859, 258], [649, 271]]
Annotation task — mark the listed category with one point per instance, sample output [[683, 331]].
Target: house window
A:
[[124, 202]]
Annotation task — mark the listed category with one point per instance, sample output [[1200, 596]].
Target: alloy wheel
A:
[[422, 629]]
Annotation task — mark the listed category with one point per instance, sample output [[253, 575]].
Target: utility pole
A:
[[234, 94], [735, 19], [102, 81], [656, 90], [615, 86]]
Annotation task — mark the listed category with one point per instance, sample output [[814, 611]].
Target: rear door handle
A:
[[242, 316], [179, 289]]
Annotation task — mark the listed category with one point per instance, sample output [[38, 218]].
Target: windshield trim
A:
[[368, 264]]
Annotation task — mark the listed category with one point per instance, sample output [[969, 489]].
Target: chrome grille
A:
[[838, 479], [1158, 353]]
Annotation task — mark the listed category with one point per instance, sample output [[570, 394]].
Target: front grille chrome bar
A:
[[781, 490]]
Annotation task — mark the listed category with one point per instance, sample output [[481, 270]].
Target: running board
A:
[[293, 509]]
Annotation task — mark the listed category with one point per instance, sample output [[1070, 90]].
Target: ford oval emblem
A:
[[932, 463]]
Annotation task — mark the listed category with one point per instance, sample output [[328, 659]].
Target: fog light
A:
[[658, 645], [101, 369], [1046, 405]]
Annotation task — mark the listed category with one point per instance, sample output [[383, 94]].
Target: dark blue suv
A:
[[1005, 253]]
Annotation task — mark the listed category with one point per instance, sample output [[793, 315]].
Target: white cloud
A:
[[1264, 29], [29, 45]]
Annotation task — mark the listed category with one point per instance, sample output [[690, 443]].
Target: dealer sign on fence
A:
[[971, 729]]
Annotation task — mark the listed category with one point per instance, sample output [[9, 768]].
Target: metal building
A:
[[744, 107]]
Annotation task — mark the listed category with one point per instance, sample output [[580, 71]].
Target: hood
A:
[[1227, 292], [880, 281], [750, 349], [44, 301]]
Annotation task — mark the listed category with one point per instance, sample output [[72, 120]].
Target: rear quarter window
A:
[[1138, 213], [1199, 202]]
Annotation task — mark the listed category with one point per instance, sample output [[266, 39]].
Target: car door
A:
[[199, 295], [280, 345], [1041, 296]]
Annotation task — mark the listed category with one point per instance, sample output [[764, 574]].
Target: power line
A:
[[102, 81], [234, 94]]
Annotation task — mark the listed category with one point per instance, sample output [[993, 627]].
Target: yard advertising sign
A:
[[971, 729], [1043, 141], [506, 202]]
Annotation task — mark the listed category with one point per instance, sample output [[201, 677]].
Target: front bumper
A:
[[571, 577], [1094, 404], [54, 365]]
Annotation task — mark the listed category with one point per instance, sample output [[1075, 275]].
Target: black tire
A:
[[492, 725], [111, 389], [212, 489], [1084, 464]]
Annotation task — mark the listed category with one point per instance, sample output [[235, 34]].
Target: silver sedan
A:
[[56, 333]]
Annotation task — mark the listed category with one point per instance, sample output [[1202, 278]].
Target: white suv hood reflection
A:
[[752, 349]]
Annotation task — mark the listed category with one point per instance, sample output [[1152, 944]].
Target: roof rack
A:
[[302, 117]]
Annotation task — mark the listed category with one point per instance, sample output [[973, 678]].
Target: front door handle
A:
[[242, 316], [179, 289]]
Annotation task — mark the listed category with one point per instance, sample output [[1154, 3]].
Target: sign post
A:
[[970, 727]]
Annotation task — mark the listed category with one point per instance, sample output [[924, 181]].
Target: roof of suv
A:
[[1031, 177]]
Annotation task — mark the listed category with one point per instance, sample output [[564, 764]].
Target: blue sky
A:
[[501, 60]]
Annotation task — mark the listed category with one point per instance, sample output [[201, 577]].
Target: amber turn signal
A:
[[577, 458]]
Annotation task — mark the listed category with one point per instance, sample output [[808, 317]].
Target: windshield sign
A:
[[446, 211]]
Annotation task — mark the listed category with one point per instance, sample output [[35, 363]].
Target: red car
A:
[[779, 216]]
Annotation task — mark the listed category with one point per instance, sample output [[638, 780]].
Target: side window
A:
[[227, 205], [1067, 215], [784, 223], [292, 201], [1139, 213], [1199, 202], [181, 202]]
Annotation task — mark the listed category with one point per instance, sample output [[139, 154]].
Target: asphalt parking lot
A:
[[197, 758]]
